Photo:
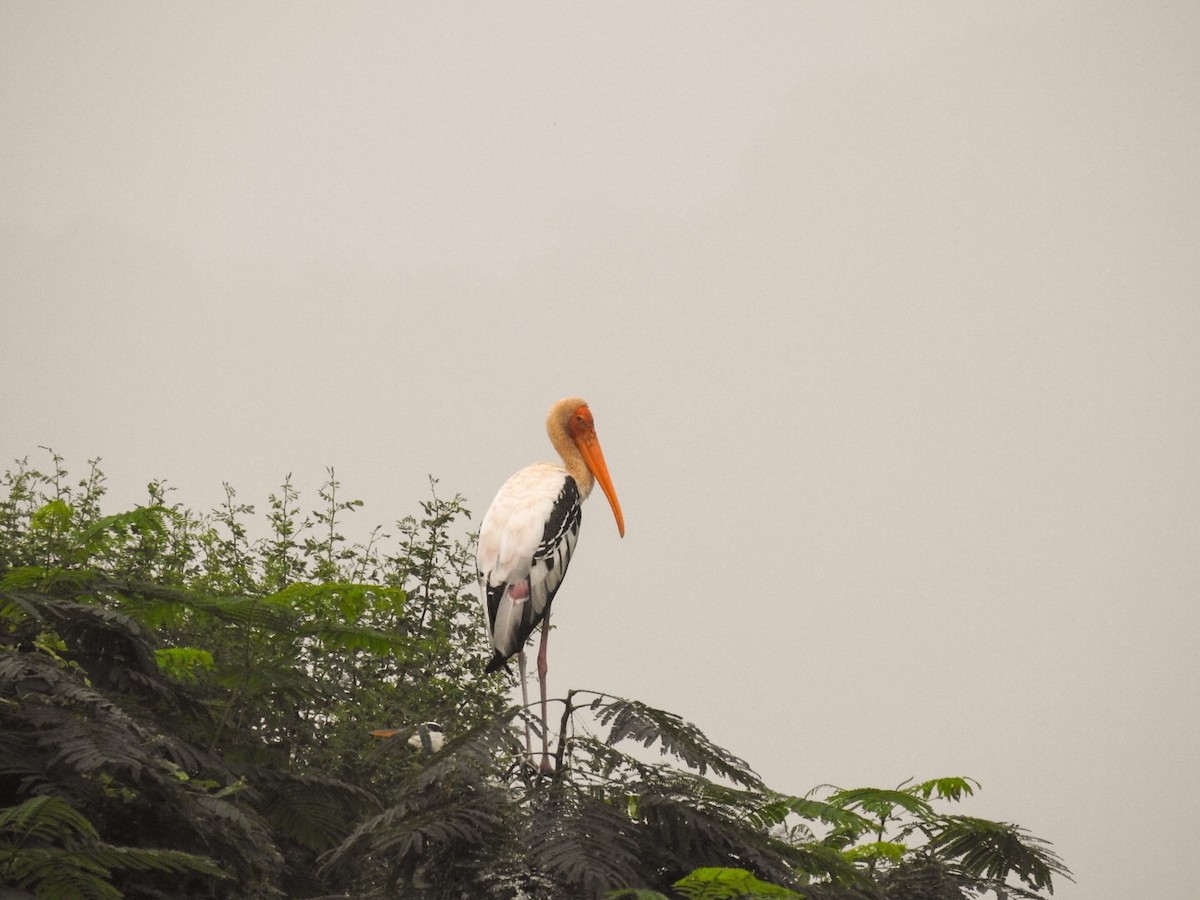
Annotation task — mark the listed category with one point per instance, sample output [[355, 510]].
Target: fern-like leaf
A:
[[585, 844], [633, 720], [995, 850], [695, 834], [45, 818], [839, 817], [447, 803], [881, 802], [952, 788], [430, 821], [314, 812], [48, 845]]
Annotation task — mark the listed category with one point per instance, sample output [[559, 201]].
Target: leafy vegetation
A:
[[186, 708]]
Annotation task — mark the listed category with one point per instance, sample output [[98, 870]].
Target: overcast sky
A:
[[888, 315]]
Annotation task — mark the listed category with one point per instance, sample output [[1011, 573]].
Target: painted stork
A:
[[526, 541]]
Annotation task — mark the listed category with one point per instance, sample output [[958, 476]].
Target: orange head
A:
[[581, 431]]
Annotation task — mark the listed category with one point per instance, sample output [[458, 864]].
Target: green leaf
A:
[[54, 516], [729, 884], [838, 816], [996, 850], [586, 842], [183, 662], [47, 845], [633, 720], [891, 851], [881, 802], [44, 818], [944, 788], [349, 600]]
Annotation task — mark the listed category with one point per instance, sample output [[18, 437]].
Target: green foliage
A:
[[903, 843], [46, 845], [186, 708], [191, 688], [728, 884], [479, 819], [183, 663]]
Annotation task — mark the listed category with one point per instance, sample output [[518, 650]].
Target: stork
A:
[[527, 538]]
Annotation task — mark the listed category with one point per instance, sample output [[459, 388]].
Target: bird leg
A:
[[525, 704], [542, 668]]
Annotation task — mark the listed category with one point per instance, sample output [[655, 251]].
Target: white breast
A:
[[515, 522]]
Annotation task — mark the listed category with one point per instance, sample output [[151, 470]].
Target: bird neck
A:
[[583, 478], [573, 461]]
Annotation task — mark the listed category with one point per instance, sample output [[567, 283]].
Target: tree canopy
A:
[[187, 705]]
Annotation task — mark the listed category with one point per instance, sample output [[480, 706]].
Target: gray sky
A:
[[888, 315]]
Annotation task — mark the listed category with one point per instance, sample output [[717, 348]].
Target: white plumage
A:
[[525, 546]]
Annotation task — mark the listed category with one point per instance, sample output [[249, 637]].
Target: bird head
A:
[[571, 426]]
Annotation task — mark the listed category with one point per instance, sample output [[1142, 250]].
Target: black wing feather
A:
[[553, 554]]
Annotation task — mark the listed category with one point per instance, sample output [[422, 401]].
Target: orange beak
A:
[[585, 439]]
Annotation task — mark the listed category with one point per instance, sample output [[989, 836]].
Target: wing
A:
[[525, 545]]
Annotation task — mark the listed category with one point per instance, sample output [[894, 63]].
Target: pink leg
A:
[[525, 703], [542, 668]]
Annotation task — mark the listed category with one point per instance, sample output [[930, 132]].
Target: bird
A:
[[526, 540], [427, 736]]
